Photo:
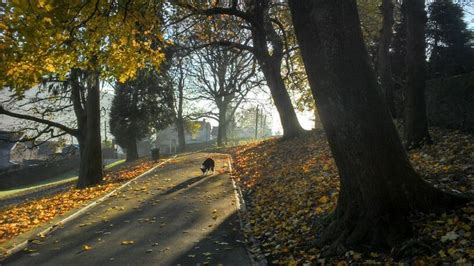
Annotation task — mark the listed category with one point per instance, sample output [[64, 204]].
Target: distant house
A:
[[12, 151], [48, 149], [214, 132], [5, 148], [203, 134], [70, 149], [242, 132], [167, 139], [144, 147]]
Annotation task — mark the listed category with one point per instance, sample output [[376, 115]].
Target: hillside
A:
[[291, 185]]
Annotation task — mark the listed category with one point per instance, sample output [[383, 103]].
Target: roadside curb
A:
[[19, 247], [253, 248]]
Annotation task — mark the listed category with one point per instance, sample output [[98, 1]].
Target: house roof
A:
[[47, 147], [8, 139]]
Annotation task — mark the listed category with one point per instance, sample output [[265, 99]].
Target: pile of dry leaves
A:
[[289, 185], [21, 218]]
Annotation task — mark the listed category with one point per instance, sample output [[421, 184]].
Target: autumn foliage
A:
[[43, 38], [18, 219], [290, 186]]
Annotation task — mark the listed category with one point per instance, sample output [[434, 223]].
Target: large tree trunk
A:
[[281, 98], [179, 118], [220, 135], [383, 56], [416, 124], [263, 33], [90, 169], [378, 186], [181, 136], [221, 130], [132, 150]]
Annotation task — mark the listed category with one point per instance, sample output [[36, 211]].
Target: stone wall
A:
[[37, 173], [450, 102]]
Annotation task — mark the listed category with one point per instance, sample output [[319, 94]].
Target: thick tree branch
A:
[[64, 128], [222, 43], [232, 11]]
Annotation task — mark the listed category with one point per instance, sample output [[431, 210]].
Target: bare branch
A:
[[62, 127]]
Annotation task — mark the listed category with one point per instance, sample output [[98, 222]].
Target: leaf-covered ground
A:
[[289, 185], [17, 219]]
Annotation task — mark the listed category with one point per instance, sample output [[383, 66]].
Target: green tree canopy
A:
[[449, 40], [139, 107]]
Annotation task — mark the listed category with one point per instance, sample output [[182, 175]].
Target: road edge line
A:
[[17, 248], [257, 257]]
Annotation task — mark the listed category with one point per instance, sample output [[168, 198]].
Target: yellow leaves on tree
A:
[[51, 37]]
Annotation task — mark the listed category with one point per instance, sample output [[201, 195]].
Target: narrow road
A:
[[171, 216]]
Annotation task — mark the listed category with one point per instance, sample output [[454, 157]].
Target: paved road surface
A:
[[173, 216]]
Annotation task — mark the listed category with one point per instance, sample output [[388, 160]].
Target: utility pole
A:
[[105, 130], [256, 123], [105, 124]]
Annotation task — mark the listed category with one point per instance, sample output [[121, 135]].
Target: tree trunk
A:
[[416, 124], [221, 131], [383, 56], [220, 135], [90, 169], [179, 118], [132, 150], [281, 98], [378, 186], [181, 136], [263, 33]]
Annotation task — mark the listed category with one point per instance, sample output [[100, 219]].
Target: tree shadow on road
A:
[[222, 246], [186, 184], [146, 222]]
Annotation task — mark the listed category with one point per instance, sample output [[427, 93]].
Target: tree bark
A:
[[281, 99], [181, 135], [378, 186], [416, 124], [221, 131], [90, 169], [262, 33], [179, 118], [383, 56], [132, 150]]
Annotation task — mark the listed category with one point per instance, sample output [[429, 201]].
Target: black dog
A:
[[207, 165]]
